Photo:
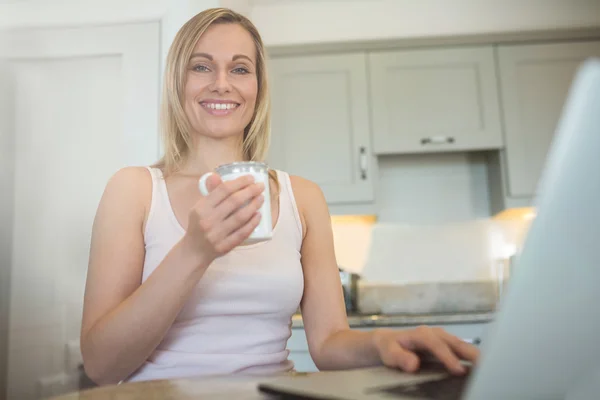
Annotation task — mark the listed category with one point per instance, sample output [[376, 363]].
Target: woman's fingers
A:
[[225, 189], [228, 197], [236, 221], [425, 338], [240, 217], [463, 350], [225, 217], [397, 356], [236, 237], [212, 182], [239, 200]]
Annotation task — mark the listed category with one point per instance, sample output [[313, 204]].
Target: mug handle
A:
[[202, 183]]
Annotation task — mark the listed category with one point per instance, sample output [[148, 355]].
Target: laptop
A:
[[544, 342]]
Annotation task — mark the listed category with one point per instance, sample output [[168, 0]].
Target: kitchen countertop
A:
[[375, 320]]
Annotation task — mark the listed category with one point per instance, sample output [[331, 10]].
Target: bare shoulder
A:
[[130, 178], [129, 189], [304, 187], [310, 200], [307, 193]]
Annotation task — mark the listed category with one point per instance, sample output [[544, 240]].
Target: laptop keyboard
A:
[[447, 388]]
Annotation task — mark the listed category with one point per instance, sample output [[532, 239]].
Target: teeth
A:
[[220, 106]]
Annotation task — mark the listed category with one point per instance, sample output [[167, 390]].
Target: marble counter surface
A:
[[381, 320]]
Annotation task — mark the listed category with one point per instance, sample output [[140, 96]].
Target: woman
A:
[[171, 291]]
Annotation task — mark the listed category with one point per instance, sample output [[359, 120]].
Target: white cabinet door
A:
[[320, 123], [432, 100], [84, 103], [535, 79]]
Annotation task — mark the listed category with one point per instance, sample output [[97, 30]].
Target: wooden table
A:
[[230, 387], [345, 383]]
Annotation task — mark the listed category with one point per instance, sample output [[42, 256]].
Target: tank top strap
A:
[[155, 174], [288, 213], [161, 218], [159, 186]]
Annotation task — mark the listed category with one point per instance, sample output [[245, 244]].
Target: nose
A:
[[221, 83]]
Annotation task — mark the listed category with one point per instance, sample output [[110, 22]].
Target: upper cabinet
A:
[[320, 123], [431, 100], [334, 114], [534, 81]]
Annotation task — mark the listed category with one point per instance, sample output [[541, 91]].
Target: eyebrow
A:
[[209, 57]]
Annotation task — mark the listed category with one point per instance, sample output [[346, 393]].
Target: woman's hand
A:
[[398, 348], [225, 218]]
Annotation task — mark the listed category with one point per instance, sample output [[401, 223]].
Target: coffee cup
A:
[[260, 172]]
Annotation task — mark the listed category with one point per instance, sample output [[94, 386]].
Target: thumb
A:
[[212, 182]]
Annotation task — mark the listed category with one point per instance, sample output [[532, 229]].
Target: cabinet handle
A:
[[363, 163], [437, 140]]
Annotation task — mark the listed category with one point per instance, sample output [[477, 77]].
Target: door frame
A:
[[7, 173]]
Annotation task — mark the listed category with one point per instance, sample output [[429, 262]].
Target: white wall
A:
[[40, 13], [433, 188], [309, 22], [177, 13], [60, 13]]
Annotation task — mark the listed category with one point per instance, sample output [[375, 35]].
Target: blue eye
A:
[[240, 70], [200, 68]]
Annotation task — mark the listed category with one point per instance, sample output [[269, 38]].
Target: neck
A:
[[209, 153]]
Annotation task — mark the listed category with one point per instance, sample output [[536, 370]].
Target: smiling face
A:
[[222, 85]]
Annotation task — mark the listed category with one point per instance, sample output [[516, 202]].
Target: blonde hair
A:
[[176, 130]]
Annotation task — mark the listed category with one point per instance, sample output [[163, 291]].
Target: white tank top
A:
[[238, 318]]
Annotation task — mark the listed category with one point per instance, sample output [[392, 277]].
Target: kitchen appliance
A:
[[350, 288]]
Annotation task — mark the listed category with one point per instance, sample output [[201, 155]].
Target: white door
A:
[[85, 104], [321, 124]]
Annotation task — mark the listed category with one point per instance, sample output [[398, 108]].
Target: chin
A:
[[222, 132]]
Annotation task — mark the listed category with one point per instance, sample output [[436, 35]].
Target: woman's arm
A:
[[125, 320], [332, 344]]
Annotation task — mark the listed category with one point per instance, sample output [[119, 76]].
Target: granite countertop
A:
[[374, 320]]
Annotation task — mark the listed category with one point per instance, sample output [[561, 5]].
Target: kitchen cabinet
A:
[[432, 100], [534, 81], [298, 345], [320, 123]]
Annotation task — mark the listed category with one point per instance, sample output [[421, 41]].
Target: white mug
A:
[[260, 172]]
